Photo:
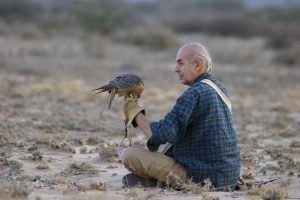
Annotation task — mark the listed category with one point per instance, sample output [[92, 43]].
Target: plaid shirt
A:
[[201, 130]]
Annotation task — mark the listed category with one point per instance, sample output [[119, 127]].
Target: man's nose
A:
[[177, 68]]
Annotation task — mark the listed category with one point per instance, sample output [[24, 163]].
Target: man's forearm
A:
[[144, 124]]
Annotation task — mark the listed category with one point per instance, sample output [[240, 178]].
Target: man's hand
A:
[[131, 109]]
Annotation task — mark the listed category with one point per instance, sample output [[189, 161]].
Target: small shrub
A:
[[37, 156], [57, 179], [15, 165], [101, 15], [4, 28], [287, 56], [248, 159], [34, 147], [277, 41], [83, 150], [96, 46], [42, 167], [99, 186], [247, 175], [295, 144], [288, 163], [94, 141], [19, 10], [154, 37], [81, 166], [78, 141], [108, 153], [77, 168], [62, 145]]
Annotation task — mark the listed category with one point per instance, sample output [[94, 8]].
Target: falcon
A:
[[128, 85]]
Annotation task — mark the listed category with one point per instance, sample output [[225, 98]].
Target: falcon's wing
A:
[[127, 81]]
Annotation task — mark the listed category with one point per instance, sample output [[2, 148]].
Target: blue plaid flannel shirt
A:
[[201, 130]]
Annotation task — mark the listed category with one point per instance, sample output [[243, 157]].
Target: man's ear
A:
[[198, 65]]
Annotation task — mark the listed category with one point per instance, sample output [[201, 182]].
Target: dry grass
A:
[[268, 192], [134, 192], [275, 194], [191, 187], [64, 89], [258, 190]]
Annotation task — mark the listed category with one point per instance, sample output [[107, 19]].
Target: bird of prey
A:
[[128, 85]]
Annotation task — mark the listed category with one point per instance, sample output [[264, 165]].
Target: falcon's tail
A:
[[104, 88], [111, 97], [110, 89]]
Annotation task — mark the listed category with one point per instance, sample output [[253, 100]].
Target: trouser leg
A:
[[155, 165]]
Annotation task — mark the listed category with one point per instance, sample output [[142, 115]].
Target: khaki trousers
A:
[[147, 164]]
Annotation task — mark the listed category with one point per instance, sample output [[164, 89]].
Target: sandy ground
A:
[[58, 142]]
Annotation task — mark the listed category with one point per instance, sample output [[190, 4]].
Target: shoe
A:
[[132, 180]]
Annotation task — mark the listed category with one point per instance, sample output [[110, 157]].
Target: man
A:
[[199, 126]]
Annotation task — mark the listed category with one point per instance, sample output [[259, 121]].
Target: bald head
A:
[[198, 51]]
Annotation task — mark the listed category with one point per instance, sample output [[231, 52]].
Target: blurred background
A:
[[56, 49], [147, 24]]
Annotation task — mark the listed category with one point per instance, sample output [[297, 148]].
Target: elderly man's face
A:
[[186, 70]]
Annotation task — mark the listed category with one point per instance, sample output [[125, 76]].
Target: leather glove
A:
[[131, 109]]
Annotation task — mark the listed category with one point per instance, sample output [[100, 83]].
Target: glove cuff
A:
[[133, 122], [133, 113]]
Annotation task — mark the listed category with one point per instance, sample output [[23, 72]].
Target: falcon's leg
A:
[[129, 98]]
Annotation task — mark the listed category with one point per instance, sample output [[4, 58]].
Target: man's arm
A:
[[144, 124]]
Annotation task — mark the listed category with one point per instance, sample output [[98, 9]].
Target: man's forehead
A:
[[182, 53]]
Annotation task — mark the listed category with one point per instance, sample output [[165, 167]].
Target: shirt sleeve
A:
[[173, 126]]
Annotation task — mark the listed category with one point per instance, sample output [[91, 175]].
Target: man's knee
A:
[[130, 153]]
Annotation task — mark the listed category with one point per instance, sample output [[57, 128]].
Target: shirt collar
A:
[[201, 77]]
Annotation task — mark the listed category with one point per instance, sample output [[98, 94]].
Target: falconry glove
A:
[[131, 109]]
